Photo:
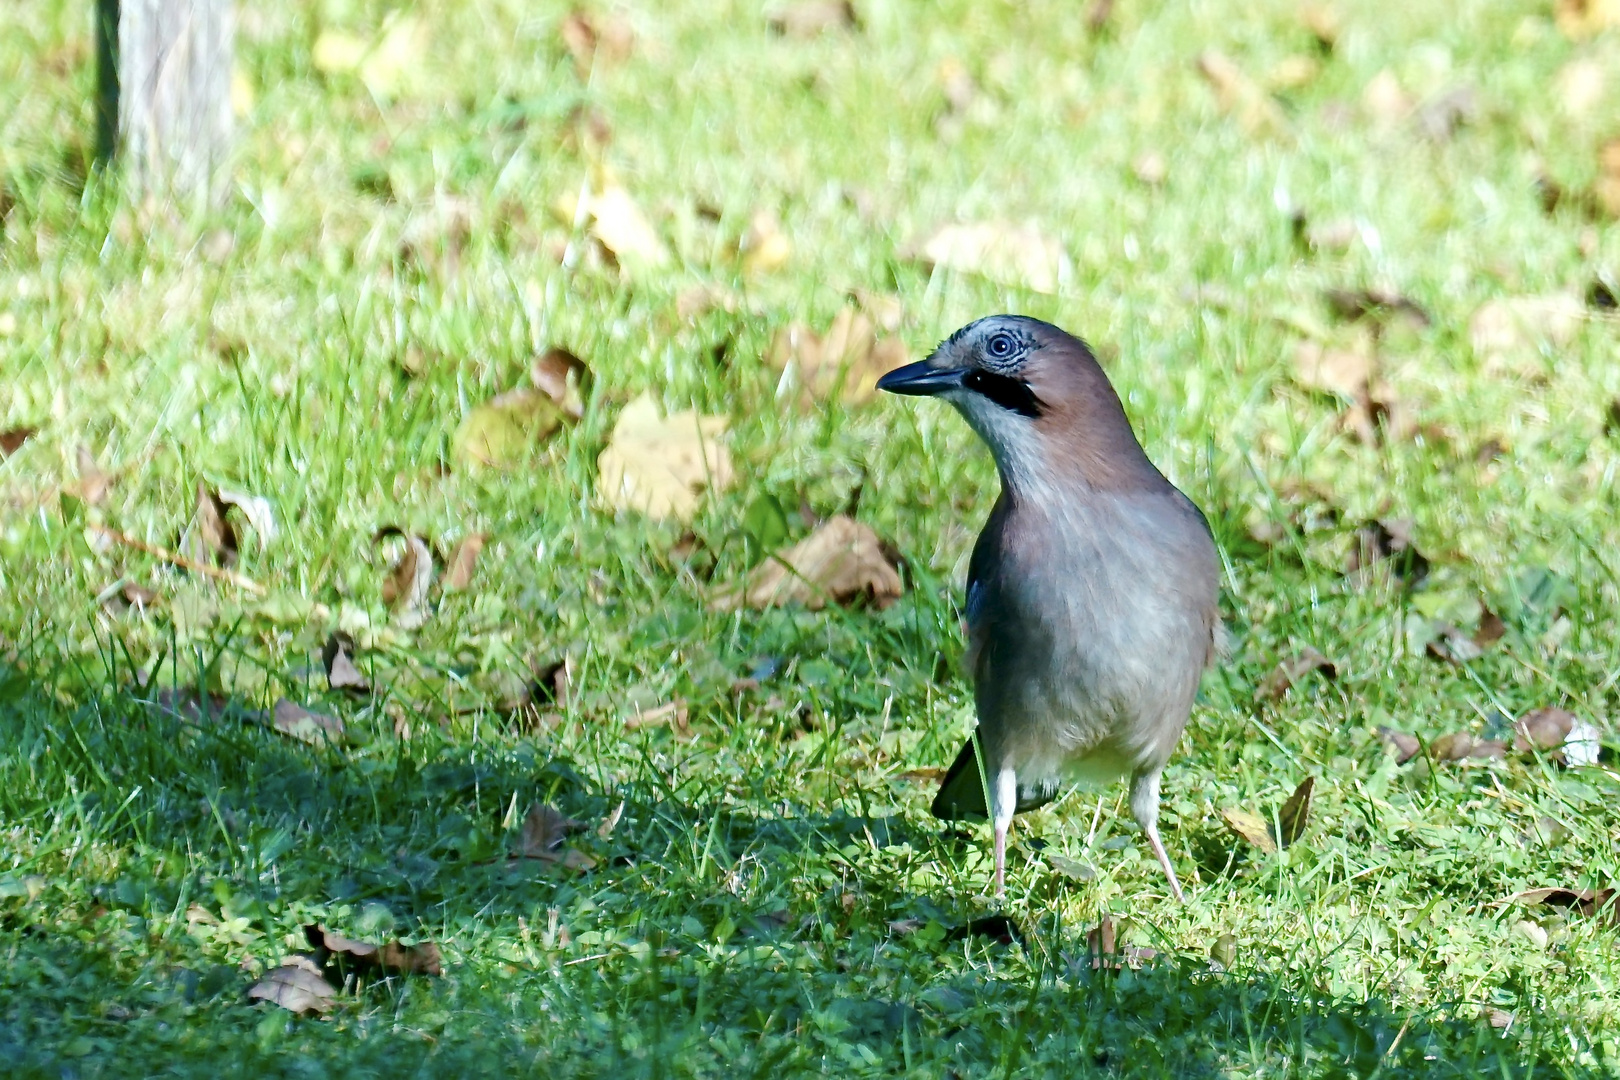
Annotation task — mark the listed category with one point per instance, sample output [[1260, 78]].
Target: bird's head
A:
[[1037, 397]]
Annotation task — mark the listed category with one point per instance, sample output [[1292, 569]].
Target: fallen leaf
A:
[[1580, 85], [564, 378], [1589, 902], [256, 508], [1376, 305], [1291, 670], [808, 18], [1607, 188], [594, 40], [300, 723], [296, 986], [1249, 827], [209, 538], [701, 299], [386, 64], [1581, 19], [93, 484], [842, 561], [1406, 746], [1384, 100], [1438, 118], [1388, 540], [922, 774], [123, 594], [338, 657], [393, 957], [504, 430], [764, 247], [1512, 324], [1500, 1019], [672, 713], [1461, 746], [463, 561], [842, 365], [544, 830], [11, 439], [1295, 813], [618, 223], [1072, 869], [1559, 734], [1344, 372], [1017, 255], [611, 822], [409, 580], [1239, 96], [661, 466]]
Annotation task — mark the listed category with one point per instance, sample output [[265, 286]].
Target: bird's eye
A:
[[1000, 346]]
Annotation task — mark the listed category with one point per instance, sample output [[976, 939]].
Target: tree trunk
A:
[[166, 77]]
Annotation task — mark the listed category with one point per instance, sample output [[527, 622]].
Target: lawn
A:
[[1352, 269]]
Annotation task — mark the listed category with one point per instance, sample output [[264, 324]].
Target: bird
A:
[[1092, 591]]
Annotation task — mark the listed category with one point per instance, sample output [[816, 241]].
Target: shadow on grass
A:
[[139, 819]]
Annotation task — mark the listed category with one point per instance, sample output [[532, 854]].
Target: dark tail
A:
[[961, 793]]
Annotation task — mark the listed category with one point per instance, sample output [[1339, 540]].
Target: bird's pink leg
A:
[[1001, 858]]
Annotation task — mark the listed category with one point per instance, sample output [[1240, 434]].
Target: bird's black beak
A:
[[920, 380]]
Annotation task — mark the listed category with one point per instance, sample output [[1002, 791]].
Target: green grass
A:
[[739, 919]]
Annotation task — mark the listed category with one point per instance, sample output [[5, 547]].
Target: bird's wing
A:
[[961, 793]]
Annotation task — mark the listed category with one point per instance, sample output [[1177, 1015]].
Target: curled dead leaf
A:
[[409, 580], [544, 830], [1291, 670], [11, 439], [1589, 902], [1344, 372], [564, 378], [1295, 813], [660, 466], [1017, 255], [1388, 541], [338, 657], [296, 985], [209, 538], [618, 223], [504, 430], [842, 561], [394, 957], [1559, 734], [1461, 746], [463, 562]]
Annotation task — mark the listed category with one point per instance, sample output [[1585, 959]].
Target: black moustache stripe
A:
[[1006, 391]]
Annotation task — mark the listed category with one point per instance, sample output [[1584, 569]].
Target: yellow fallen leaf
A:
[[841, 561], [1581, 19], [504, 430], [1018, 255], [661, 466], [1240, 96], [621, 227], [1250, 827], [1513, 324], [764, 246], [1339, 371]]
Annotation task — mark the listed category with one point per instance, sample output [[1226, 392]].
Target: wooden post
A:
[[165, 74]]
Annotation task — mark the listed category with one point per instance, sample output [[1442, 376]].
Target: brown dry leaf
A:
[[1513, 324], [300, 723], [93, 484], [660, 466], [1376, 305], [1384, 100], [1461, 746], [922, 774], [1017, 255], [11, 439], [394, 957], [297, 986], [1589, 902], [1249, 827], [672, 713], [764, 247], [1344, 372], [611, 822], [842, 561], [338, 657], [596, 39], [123, 594], [808, 18], [463, 561], [1607, 188], [409, 580], [1453, 645], [1406, 746], [844, 365], [1545, 728], [564, 378], [504, 430], [701, 299], [1295, 813], [209, 538], [543, 832], [1240, 96], [1387, 541], [1581, 19], [1291, 670]]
